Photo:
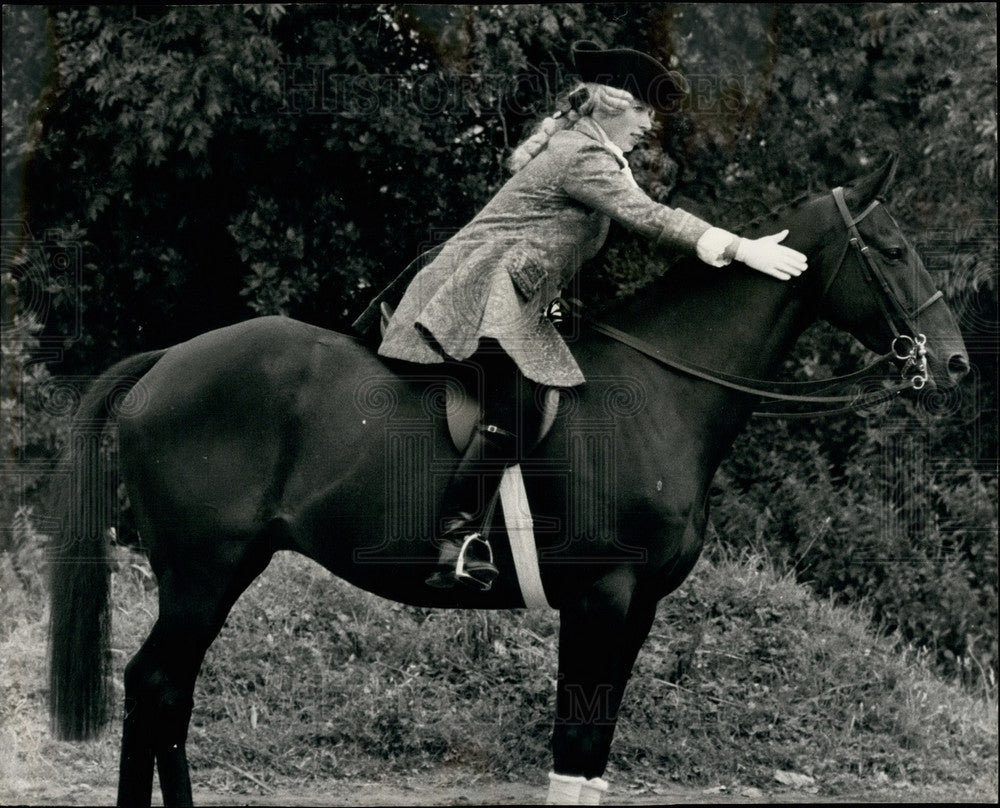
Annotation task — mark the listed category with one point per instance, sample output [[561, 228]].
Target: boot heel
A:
[[479, 584], [442, 580]]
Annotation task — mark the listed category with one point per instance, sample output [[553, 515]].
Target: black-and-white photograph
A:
[[499, 404]]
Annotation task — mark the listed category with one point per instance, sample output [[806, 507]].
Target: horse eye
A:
[[895, 253]]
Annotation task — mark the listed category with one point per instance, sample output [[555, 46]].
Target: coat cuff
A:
[[683, 230]]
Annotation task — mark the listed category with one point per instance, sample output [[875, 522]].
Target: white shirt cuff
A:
[[713, 245]]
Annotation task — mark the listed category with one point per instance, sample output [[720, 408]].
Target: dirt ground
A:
[[238, 788]]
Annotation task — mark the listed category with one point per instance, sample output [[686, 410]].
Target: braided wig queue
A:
[[583, 100]]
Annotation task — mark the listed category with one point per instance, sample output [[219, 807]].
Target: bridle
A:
[[908, 346]]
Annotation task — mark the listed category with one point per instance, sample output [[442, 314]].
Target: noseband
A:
[[908, 344]]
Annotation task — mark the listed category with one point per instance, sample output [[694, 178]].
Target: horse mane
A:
[[778, 212], [679, 275], [675, 265]]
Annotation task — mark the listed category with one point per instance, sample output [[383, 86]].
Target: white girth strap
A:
[[521, 532]]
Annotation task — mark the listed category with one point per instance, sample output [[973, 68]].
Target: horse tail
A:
[[80, 572]]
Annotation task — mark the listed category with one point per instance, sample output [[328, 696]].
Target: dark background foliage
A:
[[168, 170]]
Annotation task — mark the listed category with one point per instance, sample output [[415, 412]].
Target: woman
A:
[[483, 298]]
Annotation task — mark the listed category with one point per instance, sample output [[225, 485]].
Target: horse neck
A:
[[731, 320]]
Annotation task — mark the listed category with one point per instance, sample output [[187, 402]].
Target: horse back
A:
[[218, 428], [280, 435]]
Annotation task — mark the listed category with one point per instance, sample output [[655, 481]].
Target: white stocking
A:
[[592, 791], [564, 789]]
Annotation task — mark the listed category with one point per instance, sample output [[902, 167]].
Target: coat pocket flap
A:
[[526, 270]]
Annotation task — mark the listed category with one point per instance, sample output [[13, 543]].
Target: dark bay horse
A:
[[276, 435]]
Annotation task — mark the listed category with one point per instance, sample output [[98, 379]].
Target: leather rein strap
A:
[[731, 382], [884, 296]]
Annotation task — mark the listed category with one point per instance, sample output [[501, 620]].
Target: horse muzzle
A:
[[931, 372], [919, 365]]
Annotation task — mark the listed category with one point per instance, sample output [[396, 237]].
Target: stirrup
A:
[[462, 576], [459, 573]]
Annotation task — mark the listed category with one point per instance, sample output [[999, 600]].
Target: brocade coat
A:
[[497, 275]]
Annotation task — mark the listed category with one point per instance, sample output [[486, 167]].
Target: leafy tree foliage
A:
[[211, 163]]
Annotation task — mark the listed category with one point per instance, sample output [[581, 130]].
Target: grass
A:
[[778, 680], [744, 675]]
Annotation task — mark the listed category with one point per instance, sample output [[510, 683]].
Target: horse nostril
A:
[[958, 366]]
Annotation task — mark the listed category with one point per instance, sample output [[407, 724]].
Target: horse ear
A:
[[874, 185]]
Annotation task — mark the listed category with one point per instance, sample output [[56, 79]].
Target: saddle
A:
[[463, 410]]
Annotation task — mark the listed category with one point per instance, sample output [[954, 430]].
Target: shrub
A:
[[876, 508]]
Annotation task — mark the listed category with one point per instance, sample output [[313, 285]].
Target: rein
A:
[[911, 350], [748, 385]]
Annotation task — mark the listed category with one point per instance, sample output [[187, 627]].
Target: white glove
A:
[[768, 256]]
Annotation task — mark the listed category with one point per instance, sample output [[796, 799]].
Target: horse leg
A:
[[599, 638], [154, 708], [159, 680]]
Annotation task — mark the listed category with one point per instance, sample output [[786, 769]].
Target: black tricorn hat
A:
[[631, 70]]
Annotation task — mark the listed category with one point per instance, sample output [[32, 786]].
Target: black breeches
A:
[[510, 401], [508, 429]]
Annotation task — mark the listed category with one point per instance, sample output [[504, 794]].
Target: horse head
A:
[[872, 283]]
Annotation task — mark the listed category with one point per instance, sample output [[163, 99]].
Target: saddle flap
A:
[[464, 411]]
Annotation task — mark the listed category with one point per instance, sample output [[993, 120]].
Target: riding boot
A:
[[466, 556]]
